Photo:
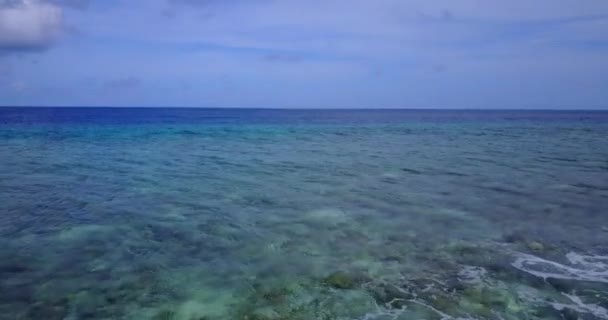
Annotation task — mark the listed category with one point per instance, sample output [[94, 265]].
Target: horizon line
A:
[[314, 108]]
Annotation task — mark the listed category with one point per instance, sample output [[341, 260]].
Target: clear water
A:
[[267, 214]]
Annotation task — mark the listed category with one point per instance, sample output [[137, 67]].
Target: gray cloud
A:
[[29, 24], [206, 9], [122, 84], [193, 2], [202, 3], [6, 70], [282, 57], [73, 4]]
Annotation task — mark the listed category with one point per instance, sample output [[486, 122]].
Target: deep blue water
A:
[[141, 213], [109, 116]]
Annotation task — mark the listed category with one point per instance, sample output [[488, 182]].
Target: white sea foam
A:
[[394, 314], [580, 267], [579, 306], [471, 274], [593, 268]]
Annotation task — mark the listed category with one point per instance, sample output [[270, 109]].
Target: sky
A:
[[478, 54]]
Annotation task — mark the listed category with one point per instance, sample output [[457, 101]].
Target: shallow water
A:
[[269, 214]]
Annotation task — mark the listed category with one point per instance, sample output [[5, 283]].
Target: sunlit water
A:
[[192, 214]]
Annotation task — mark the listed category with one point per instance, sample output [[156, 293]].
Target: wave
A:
[[592, 268]]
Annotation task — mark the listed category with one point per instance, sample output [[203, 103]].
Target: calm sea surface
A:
[[192, 214]]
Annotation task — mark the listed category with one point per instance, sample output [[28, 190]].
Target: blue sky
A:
[[305, 53]]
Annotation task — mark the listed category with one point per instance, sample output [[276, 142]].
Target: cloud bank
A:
[[29, 24], [308, 53]]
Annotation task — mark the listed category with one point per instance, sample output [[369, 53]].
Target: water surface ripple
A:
[[274, 215]]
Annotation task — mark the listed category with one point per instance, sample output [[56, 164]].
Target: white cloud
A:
[[352, 28], [29, 24], [18, 86]]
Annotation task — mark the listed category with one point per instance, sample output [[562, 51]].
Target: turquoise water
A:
[[267, 214]]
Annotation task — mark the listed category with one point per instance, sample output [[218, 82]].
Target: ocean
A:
[[267, 214]]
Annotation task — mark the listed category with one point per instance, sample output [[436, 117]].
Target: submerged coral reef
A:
[[458, 220]]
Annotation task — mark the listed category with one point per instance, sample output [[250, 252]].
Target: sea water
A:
[[253, 214]]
